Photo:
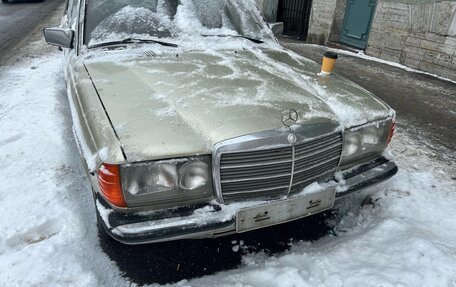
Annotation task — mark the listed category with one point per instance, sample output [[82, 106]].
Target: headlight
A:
[[167, 183], [146, 178], [193, 175], [366, 142]]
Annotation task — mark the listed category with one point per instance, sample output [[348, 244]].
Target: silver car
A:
[[193, 122]]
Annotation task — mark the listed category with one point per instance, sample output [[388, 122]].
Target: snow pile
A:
[[138, 18], [186, 21]]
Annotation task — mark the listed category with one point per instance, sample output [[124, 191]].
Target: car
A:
[[193, 122]]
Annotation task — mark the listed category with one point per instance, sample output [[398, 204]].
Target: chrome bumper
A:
[[213, 220]]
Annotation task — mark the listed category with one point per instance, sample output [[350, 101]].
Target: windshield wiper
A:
[[133, 41], [256, 41]]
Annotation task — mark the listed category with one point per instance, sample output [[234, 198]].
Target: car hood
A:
[[171, 105]]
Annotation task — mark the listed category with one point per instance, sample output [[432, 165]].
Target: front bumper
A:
[[212, 220]]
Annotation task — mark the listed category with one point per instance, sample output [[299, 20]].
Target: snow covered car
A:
[[193, 122]]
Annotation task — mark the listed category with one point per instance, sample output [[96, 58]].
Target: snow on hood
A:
[[175, 104]]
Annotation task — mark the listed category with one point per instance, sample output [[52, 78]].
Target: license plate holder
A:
[[251, 218]]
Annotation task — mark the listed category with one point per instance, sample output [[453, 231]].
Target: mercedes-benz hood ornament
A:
[[289, 118]]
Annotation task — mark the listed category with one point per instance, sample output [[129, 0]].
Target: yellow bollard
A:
[[329, 60]]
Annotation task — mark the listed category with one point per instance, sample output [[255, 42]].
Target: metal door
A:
[[295, 16], [357, 22]]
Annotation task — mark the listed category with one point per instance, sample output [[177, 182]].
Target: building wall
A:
[[420, 34], [336, 27], [321, 19]]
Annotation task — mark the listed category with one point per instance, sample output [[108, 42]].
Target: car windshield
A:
[[115, 20]]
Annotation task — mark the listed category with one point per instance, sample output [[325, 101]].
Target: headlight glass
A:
[[167, 183], [352, 144], [145, 178], [365, 143], [194, 175]]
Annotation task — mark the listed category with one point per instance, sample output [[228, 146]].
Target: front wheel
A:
[[4, 1]]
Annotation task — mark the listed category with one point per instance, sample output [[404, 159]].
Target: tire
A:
[[4, 1]]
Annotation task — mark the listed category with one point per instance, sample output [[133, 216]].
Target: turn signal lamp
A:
[[329, 61], [109, 182]]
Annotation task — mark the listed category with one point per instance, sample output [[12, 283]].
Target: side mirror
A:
[[59, 37]]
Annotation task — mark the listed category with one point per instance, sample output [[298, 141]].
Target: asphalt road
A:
[[20, 18]]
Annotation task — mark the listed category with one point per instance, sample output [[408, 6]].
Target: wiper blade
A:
[[256, 41], [132, 41]]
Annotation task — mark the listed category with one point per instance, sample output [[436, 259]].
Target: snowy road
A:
[[406, 238], [19, 18]]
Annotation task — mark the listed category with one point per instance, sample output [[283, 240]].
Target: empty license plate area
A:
[[251, 218]]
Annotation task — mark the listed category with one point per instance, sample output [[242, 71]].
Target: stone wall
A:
[[420, 34], [321, 19], [336, 27]]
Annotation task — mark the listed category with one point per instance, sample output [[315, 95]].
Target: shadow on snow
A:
[[174, 261]]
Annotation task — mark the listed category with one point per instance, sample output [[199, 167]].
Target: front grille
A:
[[255, 174], [266, 174], [316, 160]]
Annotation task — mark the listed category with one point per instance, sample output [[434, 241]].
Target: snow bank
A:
[[48, 233]]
